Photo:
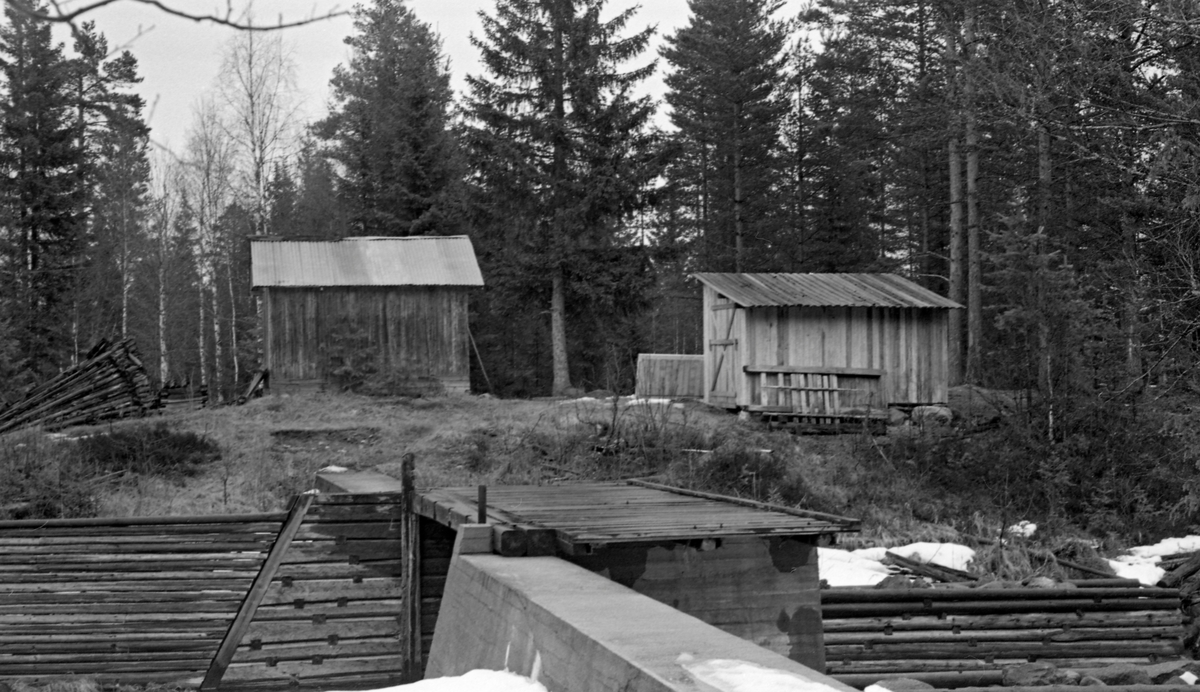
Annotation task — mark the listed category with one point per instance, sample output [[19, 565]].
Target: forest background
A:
[[1034, 161]]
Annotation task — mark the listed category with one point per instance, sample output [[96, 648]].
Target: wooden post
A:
[[410, 537], [481, 505]]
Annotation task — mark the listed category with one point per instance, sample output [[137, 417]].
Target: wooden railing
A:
[[815, 392], [324, 595]]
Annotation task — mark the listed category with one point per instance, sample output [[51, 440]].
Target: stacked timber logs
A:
[[1184, 574], [109, 383], [967, 636]]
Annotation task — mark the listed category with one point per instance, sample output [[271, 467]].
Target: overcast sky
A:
[[180, 59]]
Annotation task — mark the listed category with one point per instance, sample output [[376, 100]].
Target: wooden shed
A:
[[394, 305], [820, 345]]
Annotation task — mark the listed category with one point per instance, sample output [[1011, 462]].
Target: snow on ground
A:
[[1023, 528], [1141, 563], [865, 567], [474, 681], [950, 555], [844, 568], [742, 676]]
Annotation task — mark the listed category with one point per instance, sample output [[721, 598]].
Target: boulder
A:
[[932, 415], [897, 416], [1161, 672], [1089, 681], [1067, 677], [1039, 674], [1122, 674]]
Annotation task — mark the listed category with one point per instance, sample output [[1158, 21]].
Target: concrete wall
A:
[[764, 590], [577, 631]]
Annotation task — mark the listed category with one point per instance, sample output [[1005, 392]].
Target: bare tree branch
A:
[[231, 17]]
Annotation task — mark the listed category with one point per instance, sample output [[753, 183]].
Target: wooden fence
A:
[[966, 636], [670, 375], [325, 595]]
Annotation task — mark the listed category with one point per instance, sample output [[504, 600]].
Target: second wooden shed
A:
[[823, 344]]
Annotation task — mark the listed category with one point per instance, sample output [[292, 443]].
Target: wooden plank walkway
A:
[[585, 516]]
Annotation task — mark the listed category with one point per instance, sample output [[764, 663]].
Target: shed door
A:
[[723, 347]]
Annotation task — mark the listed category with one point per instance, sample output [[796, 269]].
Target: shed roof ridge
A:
[[823, 289]]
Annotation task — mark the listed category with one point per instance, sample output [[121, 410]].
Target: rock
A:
[[1089, 681], [1037, 674], [902, 685], [932, 415], [1067, 677], [901, 581], [1160, 672], [1122, 674], [1174, 680], [897, 416], [1041, 583]]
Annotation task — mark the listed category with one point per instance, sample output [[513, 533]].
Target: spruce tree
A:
[[40, 192], [390, 126], [560, 143], [728, 99]]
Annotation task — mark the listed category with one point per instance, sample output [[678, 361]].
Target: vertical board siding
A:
[[909, 344], [669, 374], [419, 332]]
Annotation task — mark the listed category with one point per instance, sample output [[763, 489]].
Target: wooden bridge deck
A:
[[585, 516]]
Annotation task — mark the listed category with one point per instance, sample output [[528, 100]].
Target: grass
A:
[[270, 449]]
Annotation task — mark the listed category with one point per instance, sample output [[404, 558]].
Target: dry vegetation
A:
[[914, 484]]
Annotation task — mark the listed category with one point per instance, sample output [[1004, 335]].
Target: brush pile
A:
[[109, 383]]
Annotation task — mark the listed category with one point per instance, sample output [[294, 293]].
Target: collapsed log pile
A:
[[967, 635], [109, 383], [1183, 573]]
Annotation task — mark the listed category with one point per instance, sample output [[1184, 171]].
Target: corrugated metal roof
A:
[[411, 261], [832, 290]]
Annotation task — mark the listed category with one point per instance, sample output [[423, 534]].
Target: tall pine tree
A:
[[40, 193], [728, 98], [560, 142], [390, 127]]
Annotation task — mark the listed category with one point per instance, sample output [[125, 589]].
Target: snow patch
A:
[[1141, 562], [1023, 528], [952, 555], [841, 568], [474, 681], [742, 676]]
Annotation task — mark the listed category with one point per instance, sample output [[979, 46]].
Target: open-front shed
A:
[[823, 345], [394, 306]]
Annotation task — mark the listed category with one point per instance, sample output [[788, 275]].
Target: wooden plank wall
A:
[[910, 345], [338, 611], [670, 375], [957, 637], [155, 599], [124, 600], [420, 331]]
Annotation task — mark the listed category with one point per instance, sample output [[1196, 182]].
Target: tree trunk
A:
[[974, 278], [218, 380], [558, 333], [558, 299], [233, 331], [202, 340], [739, 225], [163, 368], [958, 292]]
